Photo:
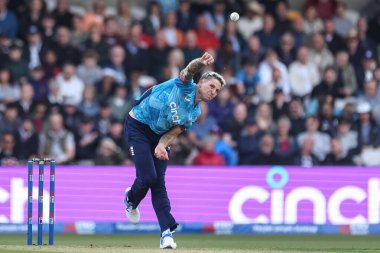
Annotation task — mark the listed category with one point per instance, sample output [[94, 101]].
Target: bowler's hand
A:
[[160, 152], [207, 59]]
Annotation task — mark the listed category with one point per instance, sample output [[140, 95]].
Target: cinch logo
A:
[[174, 111], [284, 208]]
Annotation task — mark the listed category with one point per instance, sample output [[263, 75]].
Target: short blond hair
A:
[[211, 74]]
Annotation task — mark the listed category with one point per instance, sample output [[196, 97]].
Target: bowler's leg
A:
[[160, 200]]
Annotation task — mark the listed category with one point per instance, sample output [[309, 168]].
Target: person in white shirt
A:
[[303, 74], [70, 85]]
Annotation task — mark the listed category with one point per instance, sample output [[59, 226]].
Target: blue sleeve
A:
[[184, 86]]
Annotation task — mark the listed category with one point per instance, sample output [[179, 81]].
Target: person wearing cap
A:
[[157, 118], [367, 128], [252, 20], [35, 48], [16, 64], [365, 72]]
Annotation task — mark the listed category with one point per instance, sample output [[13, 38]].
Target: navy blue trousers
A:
[[150, 171]]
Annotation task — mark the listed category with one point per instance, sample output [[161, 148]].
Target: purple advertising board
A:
[[266, 195]]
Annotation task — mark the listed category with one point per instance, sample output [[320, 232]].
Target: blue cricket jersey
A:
[[167, 105]]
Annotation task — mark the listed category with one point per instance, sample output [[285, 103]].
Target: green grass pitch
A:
[[196, 243]]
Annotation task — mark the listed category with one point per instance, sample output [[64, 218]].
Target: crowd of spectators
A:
[[302, 85]]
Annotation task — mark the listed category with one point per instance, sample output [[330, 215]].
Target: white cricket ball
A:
[[234, 16]]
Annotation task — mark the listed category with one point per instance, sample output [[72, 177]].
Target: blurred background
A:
[[302, 91]]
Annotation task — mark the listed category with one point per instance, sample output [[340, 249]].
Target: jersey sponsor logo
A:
[[174, 111]]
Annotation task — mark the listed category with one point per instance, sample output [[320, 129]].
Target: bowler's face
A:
[[209, 89]]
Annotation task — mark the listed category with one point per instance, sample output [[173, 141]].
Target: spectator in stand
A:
[[325, 9], [286, 146], [286, 50], [95, 18], [354, 50], [71, 115], [152, 21], [202, 32], [48, 28], [227, 57], [116, 131], [249, 77], [35, 48], [86, 140], [345, 74], [336, 156], [56, 141], [190, 50], [268, 36], [207, 155], [10, 119], [9, 91], [16, 64], [296, 116], [347, 137], [320, 149], [303, 74], [54, 99], [62, 14], [89, 71], [65, 52], [96, 43], [136, 50], [51, 69], [158, 54], [328, 121], [70, 86], [281, 17], [216, 18], [366, 71], [319, 53], [264, 118], [298, 32], [32, 16], [265, 91], [367, 128], [120, 102], [26, 140], [279, 104], [185, 16], [8, 22], [112, 34], [252, 20], [371, 94], [333, 40], [26, 102], [103, 119], [174, 37], [39, 83], [328, 87], [267, 67], [305, 156], [232, 35], [342, 23], [39, 116], [223, 146], [221, 108], [266, 155], [124, 17], [313, 24], [8, 155], [365, 39], [117, 59], [89, 105], [235, 123], [205, 123], [253, 52], [108, 153], [77, 34]]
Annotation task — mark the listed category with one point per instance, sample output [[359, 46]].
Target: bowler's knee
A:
[[149, 180]]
